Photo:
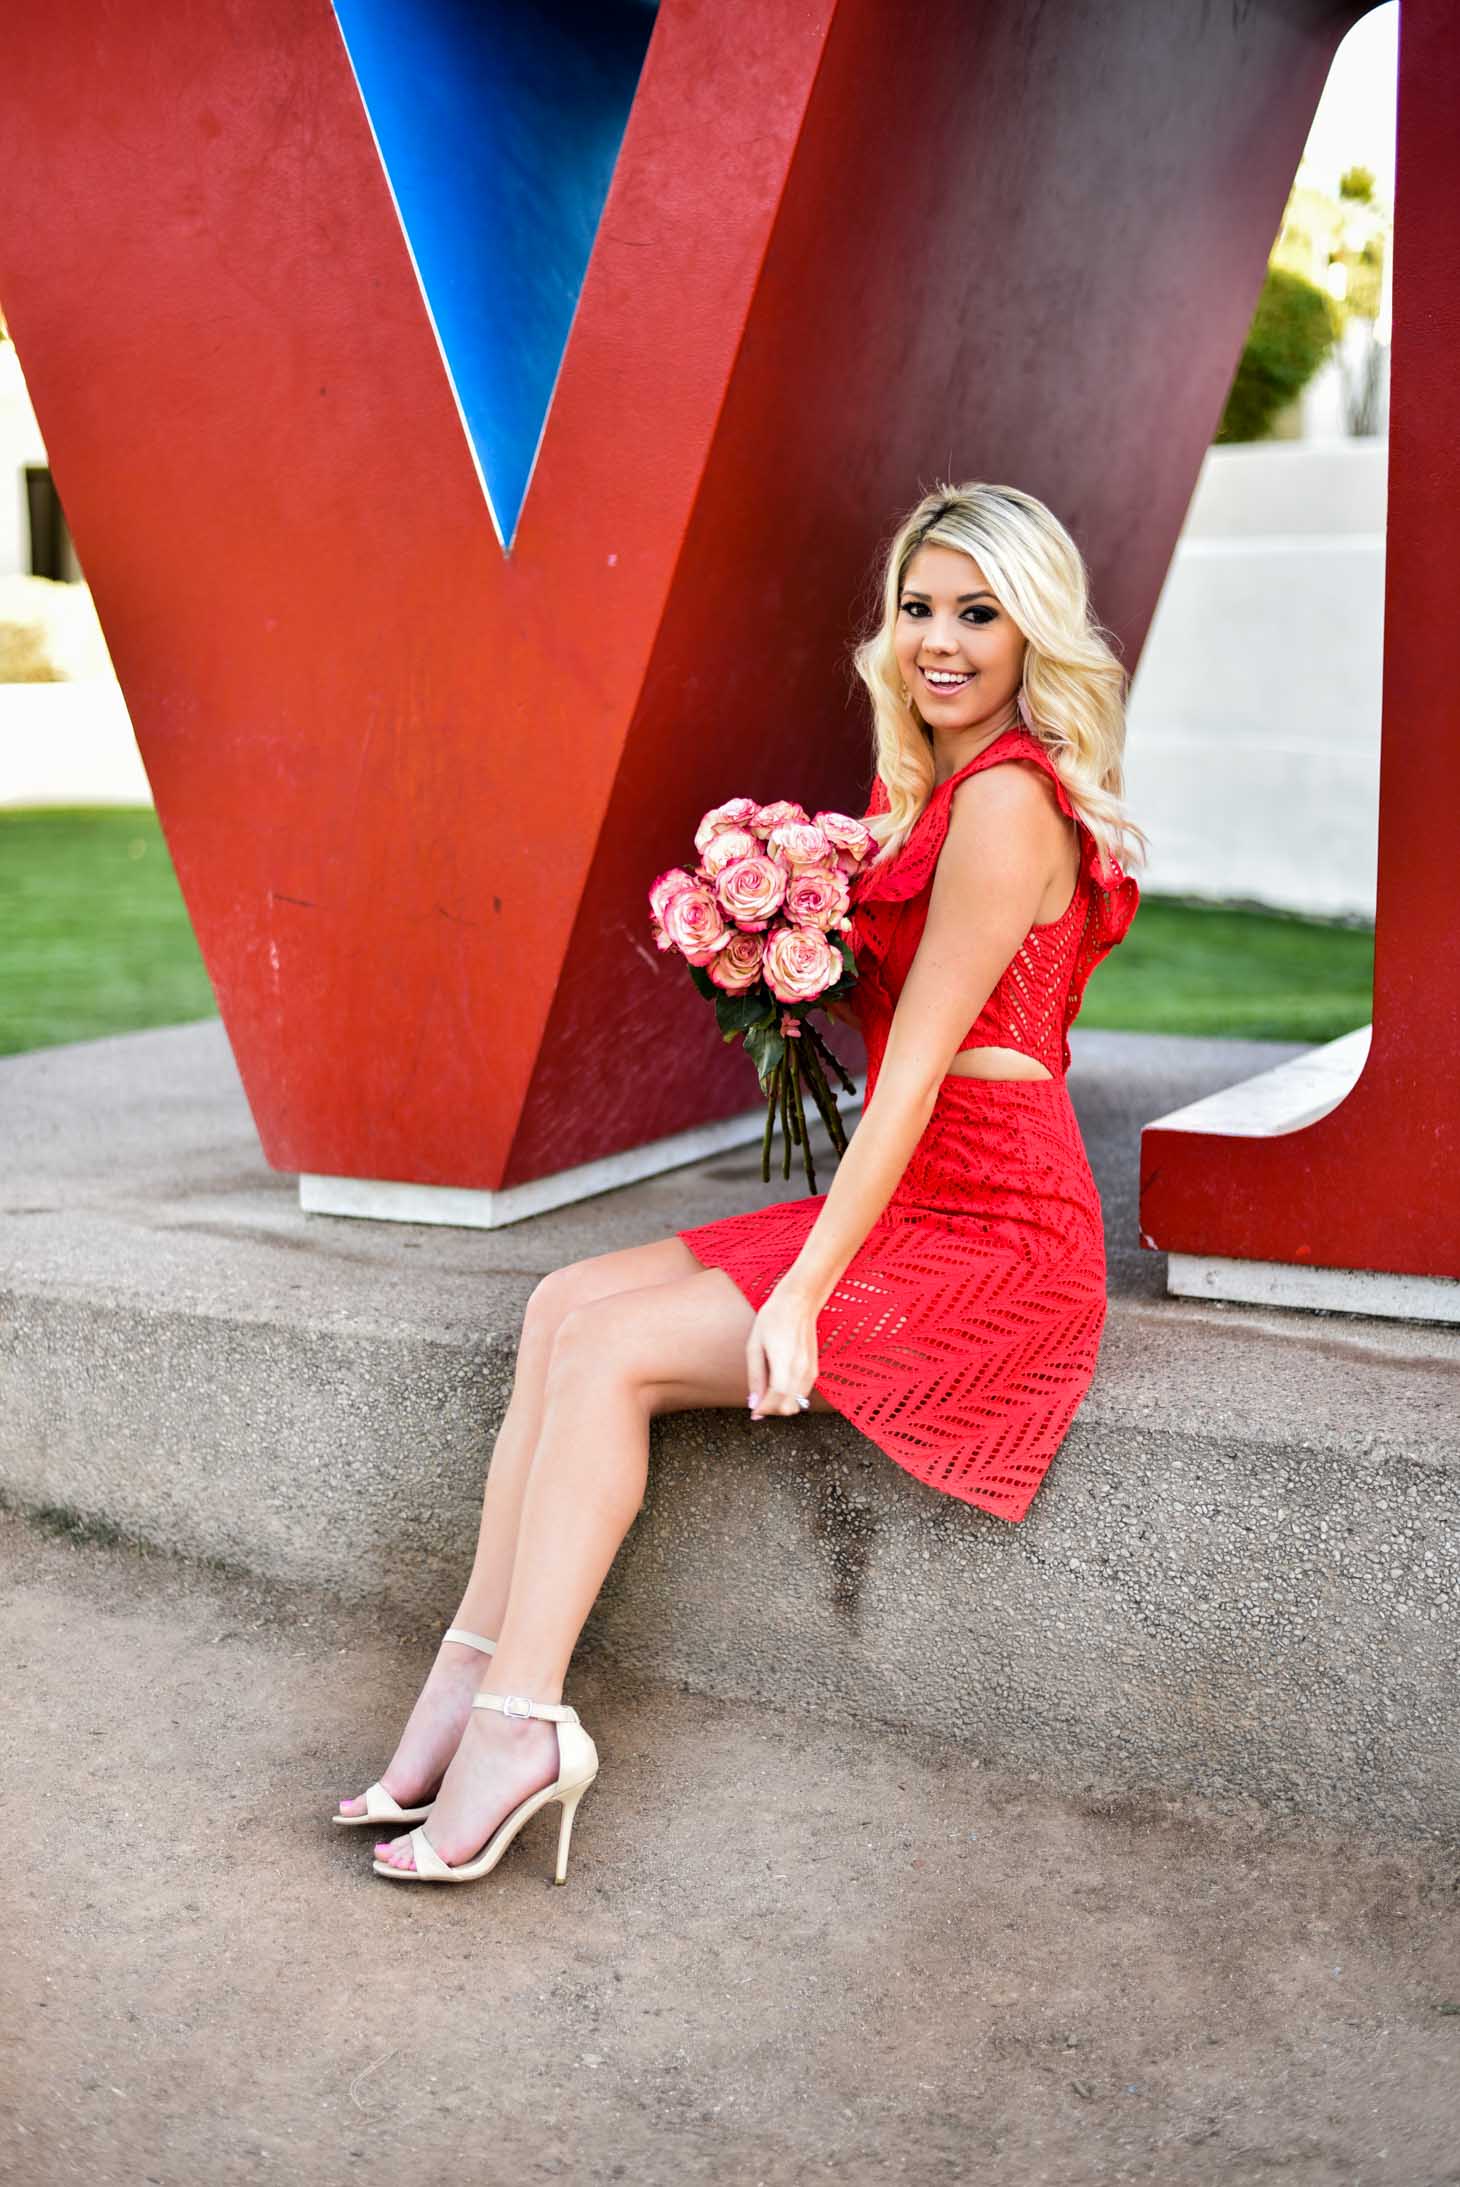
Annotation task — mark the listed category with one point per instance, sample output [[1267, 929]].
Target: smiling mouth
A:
[[945, 681]]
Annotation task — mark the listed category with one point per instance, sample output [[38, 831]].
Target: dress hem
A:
[[1010, 1518]]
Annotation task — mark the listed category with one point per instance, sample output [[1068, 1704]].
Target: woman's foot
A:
[[499, 1761], [434, 1729]]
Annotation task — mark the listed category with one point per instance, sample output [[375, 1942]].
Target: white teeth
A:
[[944, 676]]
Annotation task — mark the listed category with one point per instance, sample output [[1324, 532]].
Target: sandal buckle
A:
[[516, 1704]]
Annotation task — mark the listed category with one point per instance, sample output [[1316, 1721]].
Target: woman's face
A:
[[960, 652]]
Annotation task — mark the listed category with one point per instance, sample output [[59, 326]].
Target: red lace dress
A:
[[963, 1334]]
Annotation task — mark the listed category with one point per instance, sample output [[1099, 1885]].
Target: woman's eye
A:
[[979, 615]]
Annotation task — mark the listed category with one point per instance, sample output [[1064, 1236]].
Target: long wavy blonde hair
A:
[[1074, 690]]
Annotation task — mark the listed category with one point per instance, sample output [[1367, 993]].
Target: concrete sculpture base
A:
[[460, 1207]]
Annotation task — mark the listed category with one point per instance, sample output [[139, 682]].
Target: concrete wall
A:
[[20, 443], [1254, 724], [69, 744]]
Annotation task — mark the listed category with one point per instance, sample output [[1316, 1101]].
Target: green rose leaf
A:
[[765, 1046], [737, 1013]]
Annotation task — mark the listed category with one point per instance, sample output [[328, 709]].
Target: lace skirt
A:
[[964, 1334]]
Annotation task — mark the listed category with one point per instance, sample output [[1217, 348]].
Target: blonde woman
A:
[[947, 1294]]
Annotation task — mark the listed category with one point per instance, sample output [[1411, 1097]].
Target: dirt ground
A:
[[788, 1950]]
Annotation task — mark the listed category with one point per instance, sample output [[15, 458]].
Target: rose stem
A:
[[822, 1095], [797, 1066], [798, 1118], [816, 1079], [785, 1069], [829, 1055], [770, 1125]]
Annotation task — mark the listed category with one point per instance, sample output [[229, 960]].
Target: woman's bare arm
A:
[[1004, 843]]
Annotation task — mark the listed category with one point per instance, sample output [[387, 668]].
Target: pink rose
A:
[[736, 967], [739, 813], [692, 924], [799, 844], [723, 849], [799, 964], [770, 817], [750, 891], [817, 896], [669, 884], [849, 838]]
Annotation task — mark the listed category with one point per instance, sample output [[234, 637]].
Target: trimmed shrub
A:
[[1293, 332]]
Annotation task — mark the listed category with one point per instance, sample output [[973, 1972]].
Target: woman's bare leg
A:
[[615, 1363], [435, 1724]]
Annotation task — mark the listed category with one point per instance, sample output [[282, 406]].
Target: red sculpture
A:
[[412, 783]]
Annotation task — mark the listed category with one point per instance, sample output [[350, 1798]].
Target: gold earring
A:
[[906, 694]]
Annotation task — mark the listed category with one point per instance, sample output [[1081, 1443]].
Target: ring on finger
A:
[[804, 1403]]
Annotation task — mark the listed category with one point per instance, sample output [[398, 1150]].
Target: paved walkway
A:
[[787, 1953]]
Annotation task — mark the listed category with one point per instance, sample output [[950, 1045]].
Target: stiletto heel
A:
[[380, 1806], [565, 1831], [577, 1768]]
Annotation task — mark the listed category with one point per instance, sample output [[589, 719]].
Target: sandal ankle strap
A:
[[471, 1640], [517, 1704]]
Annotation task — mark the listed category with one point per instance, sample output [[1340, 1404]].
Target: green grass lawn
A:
[[1188, 967], [93, 934], [94, 939]]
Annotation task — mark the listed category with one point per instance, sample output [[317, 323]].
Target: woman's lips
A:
[[947, 690]]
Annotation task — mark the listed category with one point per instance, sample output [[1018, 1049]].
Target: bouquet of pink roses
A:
[[762, 922]]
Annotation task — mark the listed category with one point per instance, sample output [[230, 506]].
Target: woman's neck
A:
[[952, 752]]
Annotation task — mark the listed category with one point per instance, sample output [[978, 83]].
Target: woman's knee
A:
[[554, 1297], [600, 1277], [591, 1341]]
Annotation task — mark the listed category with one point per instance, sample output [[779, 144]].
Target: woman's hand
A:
[[781, 1353]]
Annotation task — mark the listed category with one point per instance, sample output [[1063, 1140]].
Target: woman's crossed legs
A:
[[606, 1344]]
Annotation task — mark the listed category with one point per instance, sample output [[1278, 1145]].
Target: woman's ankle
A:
[[486, 1624]]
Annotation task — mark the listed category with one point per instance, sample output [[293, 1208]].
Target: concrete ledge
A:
[[1242, 1576], [1284, 1098]]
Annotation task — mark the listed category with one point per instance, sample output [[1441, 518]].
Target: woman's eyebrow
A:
[[910, 594]]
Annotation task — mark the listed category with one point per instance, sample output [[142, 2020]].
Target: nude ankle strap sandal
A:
[[577, 1768], [380, 1806]]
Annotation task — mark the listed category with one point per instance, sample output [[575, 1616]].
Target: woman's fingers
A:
[[782, 1383], [756, 1373], [780, 1368]]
